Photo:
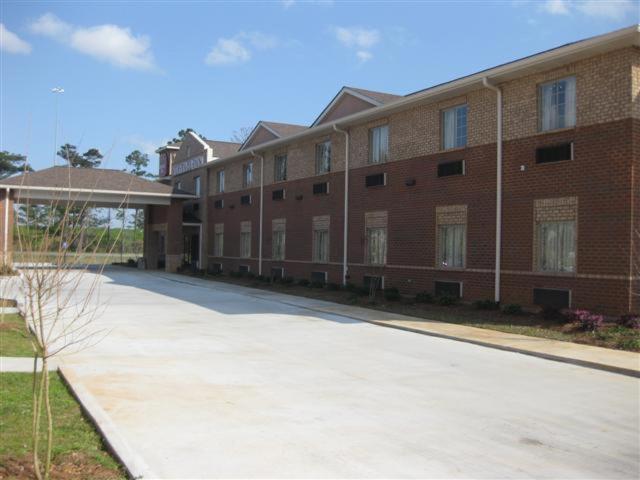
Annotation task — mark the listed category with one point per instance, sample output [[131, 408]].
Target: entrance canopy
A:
[[99, 187]]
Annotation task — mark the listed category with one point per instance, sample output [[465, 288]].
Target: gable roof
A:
[[375, 99], [221, 148], [277, 129]]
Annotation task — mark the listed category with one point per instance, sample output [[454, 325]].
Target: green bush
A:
[[512, 309], [333, 286], [552, 313], [486, 304], [251, 275], [316, 284], [447, 300], [287, 280], [424, 297], [303, 282], [392, 294], [351, 287], [362, 291]]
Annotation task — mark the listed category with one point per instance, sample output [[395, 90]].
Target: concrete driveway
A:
[[204, 380]]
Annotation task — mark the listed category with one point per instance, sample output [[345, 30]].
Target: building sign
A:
[[190, 164]]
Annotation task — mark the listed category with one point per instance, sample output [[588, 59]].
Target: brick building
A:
[[536, 159]]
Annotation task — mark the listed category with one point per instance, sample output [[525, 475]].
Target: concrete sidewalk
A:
[[617, 361]]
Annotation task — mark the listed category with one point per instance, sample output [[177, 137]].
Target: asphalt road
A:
[[202, 380]]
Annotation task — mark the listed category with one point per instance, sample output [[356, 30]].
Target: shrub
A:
[[262, 278], [333, 286], [316, 284], [303, 282], [251, 275], [512, 309], [132, 263], [587, 321], [287, 280], [486, 304], [447, 300], [391, 294], [424, 297], [631, 320], [350, 287], [551, 313], [362, 291]]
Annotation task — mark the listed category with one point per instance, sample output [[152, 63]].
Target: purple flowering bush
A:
[[587, 321], [631, 320]]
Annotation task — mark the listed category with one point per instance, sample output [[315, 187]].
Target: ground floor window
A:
[[278, 239], [451, 245], [218, 240], [557, 246]]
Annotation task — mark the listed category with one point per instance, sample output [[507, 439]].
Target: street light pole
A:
[[56, 91]]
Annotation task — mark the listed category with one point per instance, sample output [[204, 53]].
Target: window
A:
[[557, 246], [376, 246], [451, 245], [196, 186], [323, 157], [178, 185], [220, 181], [244, 268], [557, 101], [319, 277], [373, 282], [245, 239], [247, 175], [378, 179], [277, 273], [321, 188], [555, 153], [278, 239], [218, 240], [447, 169], [454, 127], [280, 168], [321, 239], [379, 144], [277, 194], [447, 289], [218, 204], [551, 297], [245, 200]]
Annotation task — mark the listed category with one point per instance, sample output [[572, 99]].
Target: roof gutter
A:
[[626, 36], [498, 253]]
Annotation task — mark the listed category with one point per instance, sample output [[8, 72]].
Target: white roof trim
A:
[[255, 130], [344, 91], [200, 140], [96, 190]]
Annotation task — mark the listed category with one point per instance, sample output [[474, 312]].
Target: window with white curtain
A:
[[247, 175], [557, 104], [245, 244], [278, 244], [196, 186], [379, 144], [323, 157], [280, 168], [218, 240], [452, 245], [220, 181], [321, 245], [557, 246], [454, 127], [376, 245]]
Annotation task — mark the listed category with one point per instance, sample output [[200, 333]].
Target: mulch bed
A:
[[74, 466]]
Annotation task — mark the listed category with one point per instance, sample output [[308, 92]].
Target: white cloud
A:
[[358, 38], [556, 7], [110, 43], [287, 3], [605, 9], [11, 43], [238, 49]]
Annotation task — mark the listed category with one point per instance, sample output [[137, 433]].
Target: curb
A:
[[546, 356], [133, 464]]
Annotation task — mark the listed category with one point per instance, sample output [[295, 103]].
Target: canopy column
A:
[[6, 226]]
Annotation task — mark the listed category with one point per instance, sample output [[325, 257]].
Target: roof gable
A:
[[352, 100], [266, 131]]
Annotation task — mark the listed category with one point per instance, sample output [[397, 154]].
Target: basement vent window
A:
[[321, 188], [244, 269], [245, 200], [448, 169], [277, 273], [555, 153], [215, 268], [551, 297], [218, 204], [373, 282], [448, 289], [277, 194], [379, 179], [319, 277]]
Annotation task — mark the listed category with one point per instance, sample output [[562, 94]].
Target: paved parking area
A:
[[203, 379]]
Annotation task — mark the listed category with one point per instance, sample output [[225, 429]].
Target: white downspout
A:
[[5, 242], [261, 157], [498, 91], [345, 238]]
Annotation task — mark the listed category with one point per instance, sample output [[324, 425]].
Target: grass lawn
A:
[[14, 338], [610, 335], [78, 452]]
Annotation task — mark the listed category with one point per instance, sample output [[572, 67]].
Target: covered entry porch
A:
[[63, 187]]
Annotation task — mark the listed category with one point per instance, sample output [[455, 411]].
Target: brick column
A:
[[6, 227], [174, 240]]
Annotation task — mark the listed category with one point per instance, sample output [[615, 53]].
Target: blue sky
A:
[[134, 73]]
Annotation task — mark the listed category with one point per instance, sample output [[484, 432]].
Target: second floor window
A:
[[557, 104], [379, 144], [220, 181], [454, 127], [247, 175], [280, 168], [196, 186], [323, 157]]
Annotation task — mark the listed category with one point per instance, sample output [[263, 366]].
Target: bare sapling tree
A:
[[61, 261]]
